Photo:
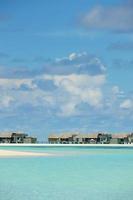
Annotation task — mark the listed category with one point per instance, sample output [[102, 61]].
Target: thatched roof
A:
[[19, 134], [81, 136], [53, 136], [119, 136], [68, 135], [6, 135], [65, 136], [88, 136], [93, 135], [10, 134]]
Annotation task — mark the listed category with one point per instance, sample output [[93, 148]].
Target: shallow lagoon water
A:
[[73, 172]]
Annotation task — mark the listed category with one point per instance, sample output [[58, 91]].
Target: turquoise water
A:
[[73, 173]]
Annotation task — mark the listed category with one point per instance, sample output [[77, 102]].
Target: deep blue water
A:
[[74, 173]]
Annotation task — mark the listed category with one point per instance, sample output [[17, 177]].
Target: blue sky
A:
[[66, 66]]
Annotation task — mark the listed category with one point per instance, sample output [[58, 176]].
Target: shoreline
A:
[[66, 145], [5, 153]]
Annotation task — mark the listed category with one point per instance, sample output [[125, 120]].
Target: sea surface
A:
[[72, 173]]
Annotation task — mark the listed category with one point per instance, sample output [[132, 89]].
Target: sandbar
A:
[[7, 153]]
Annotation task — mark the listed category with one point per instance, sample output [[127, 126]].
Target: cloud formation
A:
[[79, 63], [62, 95], [77, 89], [65, 91], [64, 84], [117, 18], [127, 104]]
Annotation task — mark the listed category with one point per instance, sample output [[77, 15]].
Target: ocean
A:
[[81, 173]]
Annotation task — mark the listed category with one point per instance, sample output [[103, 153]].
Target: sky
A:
[[66, 66]]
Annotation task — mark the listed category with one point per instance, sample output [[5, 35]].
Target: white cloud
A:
[[79, 63], [127, 104], [16, 83], [66, 91], [72, 56], [115, 90], [72, 89], [68, 109], [93, 97], [5, 101], [63, 94], [77, 89], [77, 80], [112, 18]]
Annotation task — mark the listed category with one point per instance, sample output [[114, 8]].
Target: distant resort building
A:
[[120, 139], [92, 138], [69, 138], [53, 139], [16, 137]]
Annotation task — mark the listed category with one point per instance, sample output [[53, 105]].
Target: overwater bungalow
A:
[[103, 138], [67, 138], [53, 139], [16, 137], [77, 138], [130, 138], [6, 137], [12, 137], [86, 138], [119, 139], [92, 138], [30, 140], [64, 138]]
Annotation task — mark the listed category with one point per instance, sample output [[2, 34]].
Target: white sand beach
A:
[[7, 153]]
